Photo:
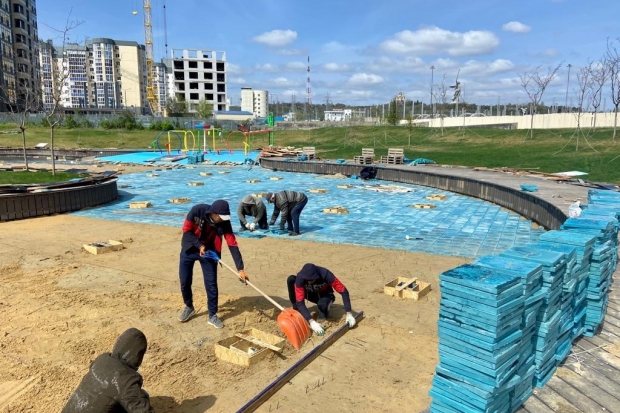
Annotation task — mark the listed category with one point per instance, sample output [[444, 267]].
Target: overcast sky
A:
[[365, 52]]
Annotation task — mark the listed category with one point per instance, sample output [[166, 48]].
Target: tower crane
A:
[[151, 86]]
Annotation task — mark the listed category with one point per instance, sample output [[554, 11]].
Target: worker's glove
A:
[[243, 277], [248, 226], [350, 320], [317, 328], [252, 226]]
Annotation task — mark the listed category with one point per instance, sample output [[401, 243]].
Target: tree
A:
[[176, 107], [584, 87], [612, 61], [54, 85], [440, 93], [535, 85], [598, 77], [19, 104], [204, 109], [392, 117]]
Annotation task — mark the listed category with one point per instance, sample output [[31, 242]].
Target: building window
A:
[[207, 65], [220, 67], [193, 75], [192, 65], [208, 76], [193, 96]]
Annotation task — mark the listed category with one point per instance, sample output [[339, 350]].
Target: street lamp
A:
[[567, 83], [432, 74]]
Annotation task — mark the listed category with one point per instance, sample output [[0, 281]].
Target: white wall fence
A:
[[548, 121]]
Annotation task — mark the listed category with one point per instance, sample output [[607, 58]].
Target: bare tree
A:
[[582, 93], [598, 77], [612, 61], [19, 104], [440, 93], [58, 76], [535, 85]]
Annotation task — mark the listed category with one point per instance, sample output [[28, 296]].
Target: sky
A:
[[365, 52]]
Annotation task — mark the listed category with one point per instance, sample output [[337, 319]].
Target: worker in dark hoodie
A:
[[289, 204], [252, 206], [317, 284], [113, 383], [203, 230]]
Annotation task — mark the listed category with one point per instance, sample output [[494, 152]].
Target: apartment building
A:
[[255, 101], [196, 75], [102, 74], [19, 54], [161, 81]]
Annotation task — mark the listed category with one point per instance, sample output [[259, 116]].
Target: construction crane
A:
[[151, 86]]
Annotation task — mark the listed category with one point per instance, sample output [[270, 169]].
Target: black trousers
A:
[[322, 300]]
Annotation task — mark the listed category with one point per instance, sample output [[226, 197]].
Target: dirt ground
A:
[[60, 307]]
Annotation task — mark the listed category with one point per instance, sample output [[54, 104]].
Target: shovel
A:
[[291, 322]]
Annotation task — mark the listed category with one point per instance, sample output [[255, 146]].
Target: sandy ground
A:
[[60, 307]]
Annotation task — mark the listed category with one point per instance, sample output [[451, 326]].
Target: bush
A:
[[162, 125], [70, 122], [86, 124], [126, 120]]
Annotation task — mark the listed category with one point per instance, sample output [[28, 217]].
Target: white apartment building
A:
[[162, 82], [103, 74], [338, 115], [196, 75], [255, 101]]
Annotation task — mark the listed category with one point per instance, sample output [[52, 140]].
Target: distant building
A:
[[255, 101], [234, 115], [102, 74], [338, 115], [196, 75]]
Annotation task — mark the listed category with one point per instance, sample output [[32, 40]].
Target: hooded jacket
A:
[[198, 230], [283, 203], [325, 282], [251, 206], [113, 383]]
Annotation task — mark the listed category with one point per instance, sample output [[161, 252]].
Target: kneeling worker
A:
[[317, 284], [113, 383], [254, 207]]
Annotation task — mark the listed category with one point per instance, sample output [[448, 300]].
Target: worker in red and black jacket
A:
[[203, 229], [317, 284]]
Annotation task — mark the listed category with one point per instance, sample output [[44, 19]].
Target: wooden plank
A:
[[535, 405], [573, 396], [611, 329], [595, 358], [592, 375], [405, 284], [588, 389], [258, 342], [611, 319], [279, 382], [555, 401]]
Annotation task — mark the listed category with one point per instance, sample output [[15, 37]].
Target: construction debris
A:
[[252, 181], [102, 247], [410, 288], [140, 205], [393, 189], [423, 206], [436, 197], [336, 210], [196, 183], [179, 200], [318, 191]]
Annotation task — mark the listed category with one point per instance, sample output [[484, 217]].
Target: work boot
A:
[[322, 317], [187, 313], [215, 321]]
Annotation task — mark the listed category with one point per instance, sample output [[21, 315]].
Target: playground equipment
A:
[[174, 135], [208, 130], [247, 139]]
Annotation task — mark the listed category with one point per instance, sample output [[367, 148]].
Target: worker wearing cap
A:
[[252, 206], [317, 284], [203, 229], [289, 204]]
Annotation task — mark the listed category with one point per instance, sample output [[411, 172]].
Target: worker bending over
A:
[[317, 284], [252, 206], [289, 204]]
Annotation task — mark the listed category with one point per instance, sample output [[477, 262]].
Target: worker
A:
[[202, 231], [289, 204], [252, 206], [113, 383], [317, 284]]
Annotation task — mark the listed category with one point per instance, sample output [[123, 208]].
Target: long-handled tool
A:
[[291, 322]]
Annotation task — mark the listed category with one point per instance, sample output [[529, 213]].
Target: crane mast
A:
[[151, 87]]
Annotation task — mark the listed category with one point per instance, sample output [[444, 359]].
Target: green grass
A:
[[30, 177], [549, 150]]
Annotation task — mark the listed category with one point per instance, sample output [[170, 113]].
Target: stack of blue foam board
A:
[[530, 274], [480, 319], [602, 265], [547, 330], [575, 283]]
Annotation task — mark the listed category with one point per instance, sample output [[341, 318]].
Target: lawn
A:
[[31, 177], [549, 150]]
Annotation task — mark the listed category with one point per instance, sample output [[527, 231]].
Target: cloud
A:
[[233, 68], [365, 79], [276, 38], [237, 80], [433, 40], [516, 27], [289, 52], [267, 67], [442, 65], [336, 67], [282, 82], [333, 47], [296, 66]]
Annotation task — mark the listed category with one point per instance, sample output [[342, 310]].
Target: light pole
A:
[[567, 83], [432, 75]]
